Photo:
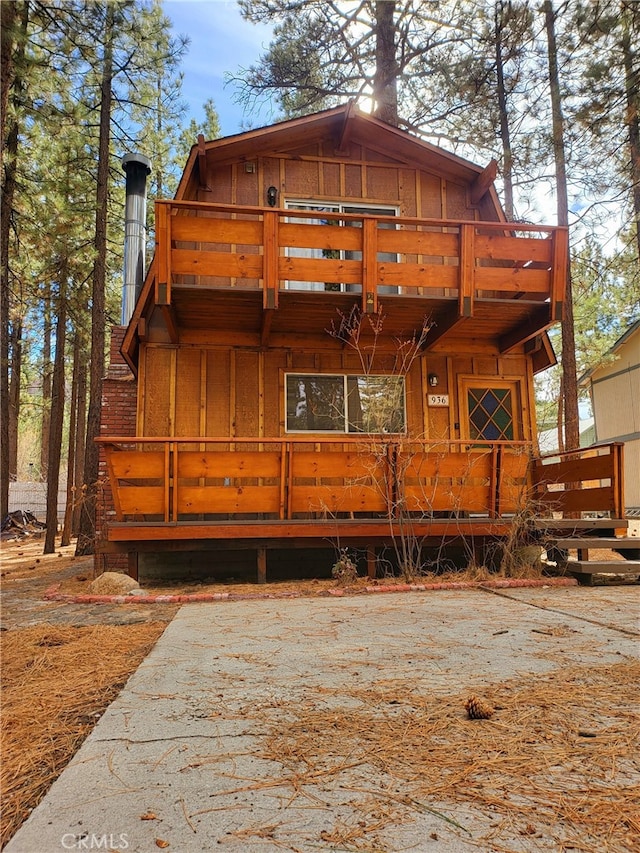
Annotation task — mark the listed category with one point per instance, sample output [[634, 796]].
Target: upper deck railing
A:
[[257, 248]]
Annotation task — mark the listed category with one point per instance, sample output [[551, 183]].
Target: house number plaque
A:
[[438, 400]]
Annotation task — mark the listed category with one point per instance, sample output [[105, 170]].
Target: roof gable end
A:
[[340, 127]]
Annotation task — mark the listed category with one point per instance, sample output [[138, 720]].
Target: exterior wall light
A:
[[272, 196], [434, 380]]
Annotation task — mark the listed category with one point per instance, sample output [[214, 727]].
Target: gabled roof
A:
[[339, 126]]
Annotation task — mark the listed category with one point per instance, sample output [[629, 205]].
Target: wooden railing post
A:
[[467, 266], [369, 266], [270, 280], [170, 495], [559, 272], [163, 253], [617, 479], [289, 467], [284, 490]]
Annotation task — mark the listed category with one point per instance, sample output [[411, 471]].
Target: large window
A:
[[329, 214], [346, 404]]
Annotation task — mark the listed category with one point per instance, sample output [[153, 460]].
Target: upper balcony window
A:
[[345, 404], [328, 213]]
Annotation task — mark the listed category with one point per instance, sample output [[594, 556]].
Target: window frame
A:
[[333, 210], [345, 397], [515, 384]]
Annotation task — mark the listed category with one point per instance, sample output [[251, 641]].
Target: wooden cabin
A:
[[334, 347]]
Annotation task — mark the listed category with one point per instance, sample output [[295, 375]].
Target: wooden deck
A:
[[182, 479], [255, 273], [169, 489]]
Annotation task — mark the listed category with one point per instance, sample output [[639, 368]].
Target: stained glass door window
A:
[[490, 414]]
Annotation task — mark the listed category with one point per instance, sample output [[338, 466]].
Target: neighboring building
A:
[[614, 386], [334, 347], [548, 438]]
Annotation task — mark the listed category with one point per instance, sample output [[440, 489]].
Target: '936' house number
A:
[[438, 399]]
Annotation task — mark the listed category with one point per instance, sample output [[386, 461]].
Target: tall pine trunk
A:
[[47, 378], [13, 409], [569, 399], [67, 527], [81, 431], [385, 82], [56, 418], [505, 133], [12, 54], [630, 14], [86, 533]]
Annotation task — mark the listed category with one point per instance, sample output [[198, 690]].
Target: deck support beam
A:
[[537, 322], [443, 327], [132, 564], [480, 187], [261, 560], [171, 322], [371, 561], [267, 319]]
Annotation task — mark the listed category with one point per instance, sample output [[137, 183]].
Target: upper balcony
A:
[[269, 272]]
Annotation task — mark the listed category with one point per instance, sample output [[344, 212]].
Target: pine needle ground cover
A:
[[56, 682], [556, 765]]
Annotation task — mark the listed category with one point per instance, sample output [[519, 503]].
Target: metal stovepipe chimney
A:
[[136, 167]]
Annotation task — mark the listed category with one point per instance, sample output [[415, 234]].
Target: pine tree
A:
[[15, 20], [569, 370], [323, 53], [209, 128], [157, 106]]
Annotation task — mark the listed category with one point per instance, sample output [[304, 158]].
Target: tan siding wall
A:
[[187, 416], [383, 183], [431, 201], [157, 382], [616, 405], [632, 473]]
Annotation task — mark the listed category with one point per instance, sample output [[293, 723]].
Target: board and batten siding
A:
[[218, 392], [362, 175]]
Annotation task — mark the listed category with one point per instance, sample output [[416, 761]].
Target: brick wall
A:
[[119, 403]]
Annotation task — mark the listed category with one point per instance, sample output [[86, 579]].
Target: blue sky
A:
[[220, 42]]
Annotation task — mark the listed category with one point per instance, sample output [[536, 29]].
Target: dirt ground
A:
[[62, 665]]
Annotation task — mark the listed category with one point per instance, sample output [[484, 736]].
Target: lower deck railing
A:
[[587, 481], [171, 479], [181, 479]]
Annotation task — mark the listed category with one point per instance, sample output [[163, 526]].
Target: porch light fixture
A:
[[272, 196], [249, 167], [434, 380]]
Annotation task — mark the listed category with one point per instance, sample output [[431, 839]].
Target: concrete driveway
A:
[[338, 725]]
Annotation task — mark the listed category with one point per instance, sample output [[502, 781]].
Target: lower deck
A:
[[393, 498]]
